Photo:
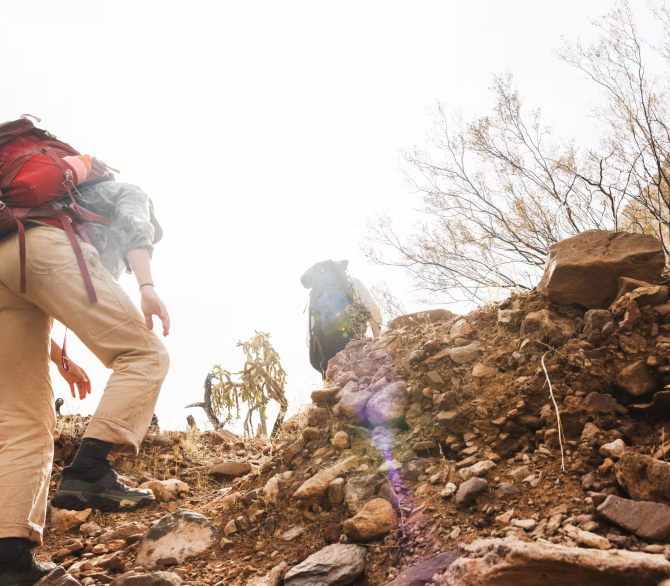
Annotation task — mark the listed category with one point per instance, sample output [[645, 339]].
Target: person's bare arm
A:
[[76, 375], [140, 262]]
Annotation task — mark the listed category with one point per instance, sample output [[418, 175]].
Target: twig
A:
[[558, 416]]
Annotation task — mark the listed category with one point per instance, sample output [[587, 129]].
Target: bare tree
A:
[[499, 190], [632, 163], [389, 305]]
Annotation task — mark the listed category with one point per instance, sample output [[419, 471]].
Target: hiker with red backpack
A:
[[67, 231], [340, 310]]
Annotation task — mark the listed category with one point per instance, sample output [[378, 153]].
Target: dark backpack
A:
[[334, 310], [33, 176]]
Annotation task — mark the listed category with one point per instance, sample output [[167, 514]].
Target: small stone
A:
[[311, 433], [292, 533], [469, 490], [613, 450], [225, 543], [505, 518], [230, 469], [62, 520], [478, 469], [166, 491], [336, 491], [359, 490], [525, 524], [435, 381], [449, 489], [519, 473], [593, 540], [340, 440], [482, 371], [506, 490], [636, 379], [230, 528]]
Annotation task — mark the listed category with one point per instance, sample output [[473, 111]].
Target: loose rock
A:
[[469, 490], [644, 478], [388, 406], [494, 561], [636, 380], [647, 520], [376, 519], [166, 491], [334, 565], [340, 440], [230, 469], [182, 535], [318, 484]]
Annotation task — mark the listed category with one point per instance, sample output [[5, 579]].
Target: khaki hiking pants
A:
[[113, 329]]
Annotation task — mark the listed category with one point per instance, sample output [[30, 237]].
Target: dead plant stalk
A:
[[558, 415]]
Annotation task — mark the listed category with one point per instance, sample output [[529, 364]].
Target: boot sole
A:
[[106, 504]]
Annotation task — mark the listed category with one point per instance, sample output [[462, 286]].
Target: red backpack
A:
[[33, 176]]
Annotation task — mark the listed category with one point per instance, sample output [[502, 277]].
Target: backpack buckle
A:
[[3, 205]]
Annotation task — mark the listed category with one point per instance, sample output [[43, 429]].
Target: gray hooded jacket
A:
[[132, 224]]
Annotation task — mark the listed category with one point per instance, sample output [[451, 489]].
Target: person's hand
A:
[[152, 305], [76, 377]]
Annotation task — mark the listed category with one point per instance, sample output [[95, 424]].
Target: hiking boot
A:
[[29, 578], [107, 493]]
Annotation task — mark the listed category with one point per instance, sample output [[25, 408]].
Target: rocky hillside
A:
[[523, 443]]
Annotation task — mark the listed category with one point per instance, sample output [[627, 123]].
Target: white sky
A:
[[267, 133]]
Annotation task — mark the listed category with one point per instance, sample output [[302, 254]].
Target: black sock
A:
[[91, 458], [15, 555]]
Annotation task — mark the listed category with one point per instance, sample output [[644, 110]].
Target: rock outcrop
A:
[[586, 268], [509, 563]]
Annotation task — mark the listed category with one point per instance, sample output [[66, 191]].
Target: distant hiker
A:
[[340, 309], [60, 255]]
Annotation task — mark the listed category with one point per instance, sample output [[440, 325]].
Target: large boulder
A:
[[421, 317], [586, 268], [644, 478], [516, 563], [388, 406], [182, 535], [334, 565]]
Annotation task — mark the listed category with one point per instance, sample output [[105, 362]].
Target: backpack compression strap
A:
[[66, 221]]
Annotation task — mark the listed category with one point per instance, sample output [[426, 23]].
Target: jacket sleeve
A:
[[130, 226]]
